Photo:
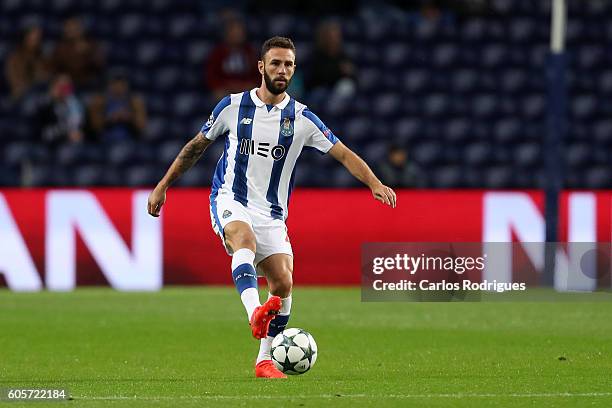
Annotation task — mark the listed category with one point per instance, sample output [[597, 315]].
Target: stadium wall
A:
[[60, 239]]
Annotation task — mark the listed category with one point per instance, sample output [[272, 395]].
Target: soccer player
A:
[[264, 131]]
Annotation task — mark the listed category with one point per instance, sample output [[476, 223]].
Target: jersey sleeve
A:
[[216, 126], [318, 135]]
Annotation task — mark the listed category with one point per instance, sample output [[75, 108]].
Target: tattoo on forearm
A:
[[188, 156]]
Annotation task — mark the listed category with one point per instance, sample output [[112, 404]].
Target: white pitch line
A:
[[396, 396]]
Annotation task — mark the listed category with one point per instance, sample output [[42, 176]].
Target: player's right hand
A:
[[157, 198]]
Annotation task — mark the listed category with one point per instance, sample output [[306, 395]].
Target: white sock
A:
[[250, 300], [249, 296], [242, 256], [265, 344]]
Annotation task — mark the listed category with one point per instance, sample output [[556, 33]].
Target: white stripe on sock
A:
[[242, 256]]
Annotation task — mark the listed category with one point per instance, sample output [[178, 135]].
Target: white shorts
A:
[[270, 234]]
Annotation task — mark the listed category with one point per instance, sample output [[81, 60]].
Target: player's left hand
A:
[[385, 195]]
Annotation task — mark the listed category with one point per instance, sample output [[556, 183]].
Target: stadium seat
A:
[[578, 154], [387, 105], [507, 130], [528, 154], [598, 177], [498, 177], [89, 175], [477, 153], [427, 153], [448, 177], [584, 107]]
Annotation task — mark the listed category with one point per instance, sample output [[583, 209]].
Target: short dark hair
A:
[[276, 42]]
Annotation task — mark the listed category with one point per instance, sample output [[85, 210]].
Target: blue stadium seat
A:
[[427, 153], [533, 106], [123, 153], [407, 129], [522, 30], [16, 153], [578, 154], [387, 105], [182, 26], [485, 106], [604, 81], [186, 105], [497, 177], [358, 129], [528, 154], [598, 177], [494, 56], [415, 80], [507, 130], [167, 151], [436, 105], [149, 53], [445, 55], [376, 152], [198, 50], [42, 175], [473, 30], [584, 107], [477, 153], [166, 78], [89, 175], [131, 25], [78, 153], [198, 176], [514, 80], [602, 131], [395, 54], [140, 175], [457, 130], [448, 177], [591, 57]]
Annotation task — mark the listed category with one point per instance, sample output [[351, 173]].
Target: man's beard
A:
[[275, 87]]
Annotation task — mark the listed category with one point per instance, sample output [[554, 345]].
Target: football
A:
[[294, 351]]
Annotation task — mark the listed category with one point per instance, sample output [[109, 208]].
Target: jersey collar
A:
[[259, 103]]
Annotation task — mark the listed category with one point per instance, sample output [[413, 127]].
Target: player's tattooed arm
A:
[[187, 157], [362, 172]]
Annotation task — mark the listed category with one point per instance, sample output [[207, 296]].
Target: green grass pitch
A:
[[192, 347]]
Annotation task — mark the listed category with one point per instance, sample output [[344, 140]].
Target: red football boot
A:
[[263, 315], [266, 369]]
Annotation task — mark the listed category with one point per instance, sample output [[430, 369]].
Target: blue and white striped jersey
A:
[[262, 145]]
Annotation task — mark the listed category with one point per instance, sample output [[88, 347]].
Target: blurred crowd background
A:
[[433, 94]]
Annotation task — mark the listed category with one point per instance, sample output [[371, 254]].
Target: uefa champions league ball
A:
[[294, 351]]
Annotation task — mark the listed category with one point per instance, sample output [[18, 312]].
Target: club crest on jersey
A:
[[287, 128], [226, 214]]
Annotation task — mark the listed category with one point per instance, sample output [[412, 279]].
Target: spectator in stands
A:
[[331, 68], [232, 64], [59, 116], [26, 66], [396, 171], [78, 56], [118, 114]]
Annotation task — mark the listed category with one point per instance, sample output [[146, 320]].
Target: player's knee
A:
[[237, 238]]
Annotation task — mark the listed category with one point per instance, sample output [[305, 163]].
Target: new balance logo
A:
[[246, 121]]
